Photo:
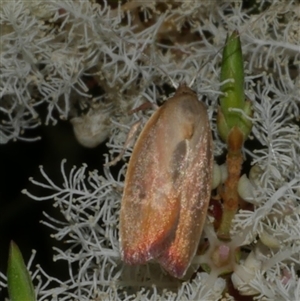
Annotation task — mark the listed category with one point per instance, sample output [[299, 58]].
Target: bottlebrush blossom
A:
[[130, 50]]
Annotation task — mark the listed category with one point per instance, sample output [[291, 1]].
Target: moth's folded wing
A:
[[150, 205], [193, 185]]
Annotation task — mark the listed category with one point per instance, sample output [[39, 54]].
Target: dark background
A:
[[19, 215]]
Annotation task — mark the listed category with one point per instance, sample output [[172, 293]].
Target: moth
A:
[[168, 185]]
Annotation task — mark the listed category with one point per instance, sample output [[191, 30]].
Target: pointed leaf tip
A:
[[20, 287]]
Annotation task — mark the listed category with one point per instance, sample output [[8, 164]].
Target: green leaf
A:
[[20, 287]]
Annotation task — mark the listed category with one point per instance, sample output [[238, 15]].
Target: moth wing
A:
[[194, 187], [150, 204]]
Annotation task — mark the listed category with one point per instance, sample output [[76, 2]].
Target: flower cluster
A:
[[50, 48]]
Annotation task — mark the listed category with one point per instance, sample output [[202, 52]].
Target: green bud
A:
[[234, 97]]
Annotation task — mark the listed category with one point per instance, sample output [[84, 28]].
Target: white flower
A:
[[50, 47]]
